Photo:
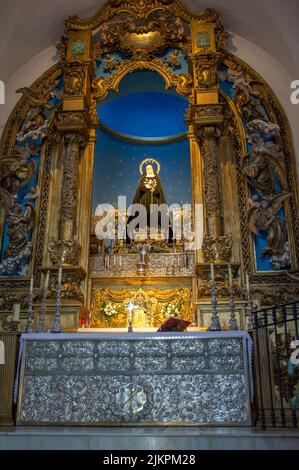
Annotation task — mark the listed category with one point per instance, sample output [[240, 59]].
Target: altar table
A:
[[135, 379]]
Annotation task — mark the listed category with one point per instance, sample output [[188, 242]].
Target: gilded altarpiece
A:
[[241, 157]]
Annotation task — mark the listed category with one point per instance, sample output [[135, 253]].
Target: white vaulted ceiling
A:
[[29, 26], [264, 33]]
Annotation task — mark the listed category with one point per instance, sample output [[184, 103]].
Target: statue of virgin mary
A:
[[149, 189]]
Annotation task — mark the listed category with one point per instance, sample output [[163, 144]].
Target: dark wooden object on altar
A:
[[174, 324]]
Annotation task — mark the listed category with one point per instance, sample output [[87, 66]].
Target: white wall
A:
[[25, 77], [272, 71]]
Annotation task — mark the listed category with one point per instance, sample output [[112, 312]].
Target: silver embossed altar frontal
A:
[[135, 379]]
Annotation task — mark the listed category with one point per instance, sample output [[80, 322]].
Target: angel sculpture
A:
[[258, 165], [173, 62], [35, 119], [19, 225], [269, 129], [263, 215], [235, 75], [250, 102], [33, 194], [15, 173]]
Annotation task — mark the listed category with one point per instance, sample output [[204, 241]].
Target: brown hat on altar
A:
[[174, 324]]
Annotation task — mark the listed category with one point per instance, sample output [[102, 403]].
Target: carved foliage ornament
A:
[[209, 148], [217, 248], [150, 299], [73, 145], [183, 82], [64, 252], [74, 79], [140, 9], [206, 69]]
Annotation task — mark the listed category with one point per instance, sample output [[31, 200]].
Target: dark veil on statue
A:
[[149, 189]]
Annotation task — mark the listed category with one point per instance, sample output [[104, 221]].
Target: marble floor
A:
[[150, 438]]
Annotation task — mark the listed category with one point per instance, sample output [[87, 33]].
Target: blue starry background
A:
[[144, 110]]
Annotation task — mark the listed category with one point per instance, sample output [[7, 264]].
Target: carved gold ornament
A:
[[149, 301], [182, 82]]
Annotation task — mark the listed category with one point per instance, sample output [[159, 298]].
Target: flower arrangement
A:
[[109, 311], [171, 310]]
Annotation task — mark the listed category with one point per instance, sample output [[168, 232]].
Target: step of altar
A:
[[146, 438]]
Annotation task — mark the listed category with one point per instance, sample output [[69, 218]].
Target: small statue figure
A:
[[257, 166], [263, 216], [180, 27], [19, 225]]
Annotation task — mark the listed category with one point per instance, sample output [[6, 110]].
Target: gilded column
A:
[[74, 143], [206, 116], [208, 138], [73, 122]]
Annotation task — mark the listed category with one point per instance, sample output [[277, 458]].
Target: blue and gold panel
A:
[[141, 121], [263, 166], [20, 179]]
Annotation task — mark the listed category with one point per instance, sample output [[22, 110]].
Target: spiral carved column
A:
[[73, 147], [208, 137]]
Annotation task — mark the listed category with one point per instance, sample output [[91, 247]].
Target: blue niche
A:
[[143, 108], [142, 120]]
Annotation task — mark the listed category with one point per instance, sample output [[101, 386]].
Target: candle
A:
[[16, 311], [212, 272], [120, 262], [230, 275], [247, 283], [47, 280], [31, 285], [60, 275]]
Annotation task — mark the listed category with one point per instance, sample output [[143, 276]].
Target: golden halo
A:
[[150, 161]]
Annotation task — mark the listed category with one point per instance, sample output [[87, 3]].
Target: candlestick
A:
[[60, 275], [31, 284], [215, 321], [16, 312], [130, 307], [42, 315], [230, 275], [212, 272], [47, 281], [247, 283], [56, 327], [29, 325], [249, 305], [233, 324]]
